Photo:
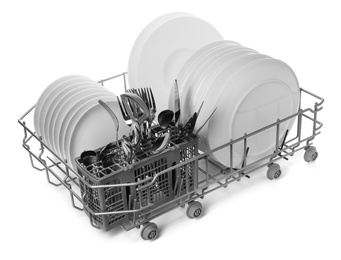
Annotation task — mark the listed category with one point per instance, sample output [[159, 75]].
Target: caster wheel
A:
[[274, 171], [310, 154], [194, 209], [149, 231]]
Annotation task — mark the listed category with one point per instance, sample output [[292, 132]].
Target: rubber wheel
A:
[[149, 231], [310, 154], [274, 171], [194, 209]]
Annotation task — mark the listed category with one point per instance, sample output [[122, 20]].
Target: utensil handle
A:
[[112, 115]]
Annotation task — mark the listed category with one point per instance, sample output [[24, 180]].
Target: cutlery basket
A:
[[134, 197]]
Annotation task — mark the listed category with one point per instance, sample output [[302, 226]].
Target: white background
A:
[[295, 217]]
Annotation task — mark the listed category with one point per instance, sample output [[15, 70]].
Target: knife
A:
[[176, 104]]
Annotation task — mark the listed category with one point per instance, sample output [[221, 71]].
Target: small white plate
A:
[[94, 129], [70, 120], [66, 106], [42, 99], [140, 41], [54, 102], [257, 95], [167, 49], [49, 99]]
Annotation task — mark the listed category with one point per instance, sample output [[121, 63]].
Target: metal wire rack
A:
[[133, 194]]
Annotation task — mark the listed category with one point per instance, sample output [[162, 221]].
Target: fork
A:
[[146, 94], [124, 112]]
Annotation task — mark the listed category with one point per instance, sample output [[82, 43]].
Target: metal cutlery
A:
[[165, 117], [124, 113], [176, 104], [112, 115]]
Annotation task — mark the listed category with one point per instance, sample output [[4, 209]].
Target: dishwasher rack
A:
[[177, 177]]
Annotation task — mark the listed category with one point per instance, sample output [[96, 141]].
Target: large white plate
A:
[[258, 94], [42, 99], [167, 49], [53, 102], [140, 41], [192, 75], [186, 69], [67, 105], [214, 85], [204, 73], [94, 129]]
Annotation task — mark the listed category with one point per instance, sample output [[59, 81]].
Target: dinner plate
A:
[[215, 85], [141, 40], [208, 69], [42, 100], [193, 73], [95, 129], [258, 94], [167, 49], [72, 117], [188, 66], [56, 97], [66, 106]]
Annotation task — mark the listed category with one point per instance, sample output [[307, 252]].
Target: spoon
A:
[[165, 117], [160, 144]]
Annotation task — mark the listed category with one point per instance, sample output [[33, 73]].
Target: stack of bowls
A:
[[69, 118]]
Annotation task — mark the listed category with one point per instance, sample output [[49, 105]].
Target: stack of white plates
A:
[[250, 90], [162, 48], [69, 118]]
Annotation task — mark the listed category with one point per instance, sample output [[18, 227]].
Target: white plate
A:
[[94, 129], [214, 85], [66, 105], [141, 40], [257, 95], [167, 49], [49, 99], [72, 117], [42, 99], [188, 66], [54, 102], [204, 73], [193, 73]]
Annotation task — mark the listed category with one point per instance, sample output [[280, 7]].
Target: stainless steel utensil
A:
[[160, 144], [135, 107], [176, 104], [206, 121], [165, 117], [112, 115], [125, 114], [187, 130]]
